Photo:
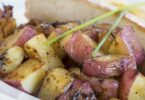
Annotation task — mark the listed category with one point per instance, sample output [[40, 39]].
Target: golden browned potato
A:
[[11, 59], [54, 84], [132, 86], [103, 28], [126, 43], [9, 27], [56, 46], [107, 43], [37, 48], [27, 77], [7, 22]]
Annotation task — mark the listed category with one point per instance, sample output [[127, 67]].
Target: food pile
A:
[[66, 69]]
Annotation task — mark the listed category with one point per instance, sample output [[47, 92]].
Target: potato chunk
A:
[[79, 46], [54, 84], [126, 43], [11, 59], [37, 48], [108, 66], [27, 77], [132, 86]]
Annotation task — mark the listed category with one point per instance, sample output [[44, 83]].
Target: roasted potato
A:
[[37, 48], [56, 46], [102, 31], [17, 39], [107, 43], [9, 27], [7, 22], [27, 77], [25, 34], [79, 46], [11, 59], [79, 90], [85, 89], [126, 43], [92, 32], [100, 89], [54, 84], [105, 89], [45, 28], [108, 66], [132, 86]]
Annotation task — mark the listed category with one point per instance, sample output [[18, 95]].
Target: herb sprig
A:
[[108, 33]]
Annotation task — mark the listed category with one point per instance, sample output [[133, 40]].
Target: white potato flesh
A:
[[27, 77], [137, 91], [54, 84], [37, 48], [35, 79], [118, 47], [12, 59]]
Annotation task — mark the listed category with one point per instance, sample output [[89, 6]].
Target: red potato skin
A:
[[134, 47], [26, 34], [104, 69], [19, 38], [126, 83], [45, 28], [105, 88], [79, 47], [79, 90], [95, 88], [78, 82], [67, 95], [92, 32], [86, 89]]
